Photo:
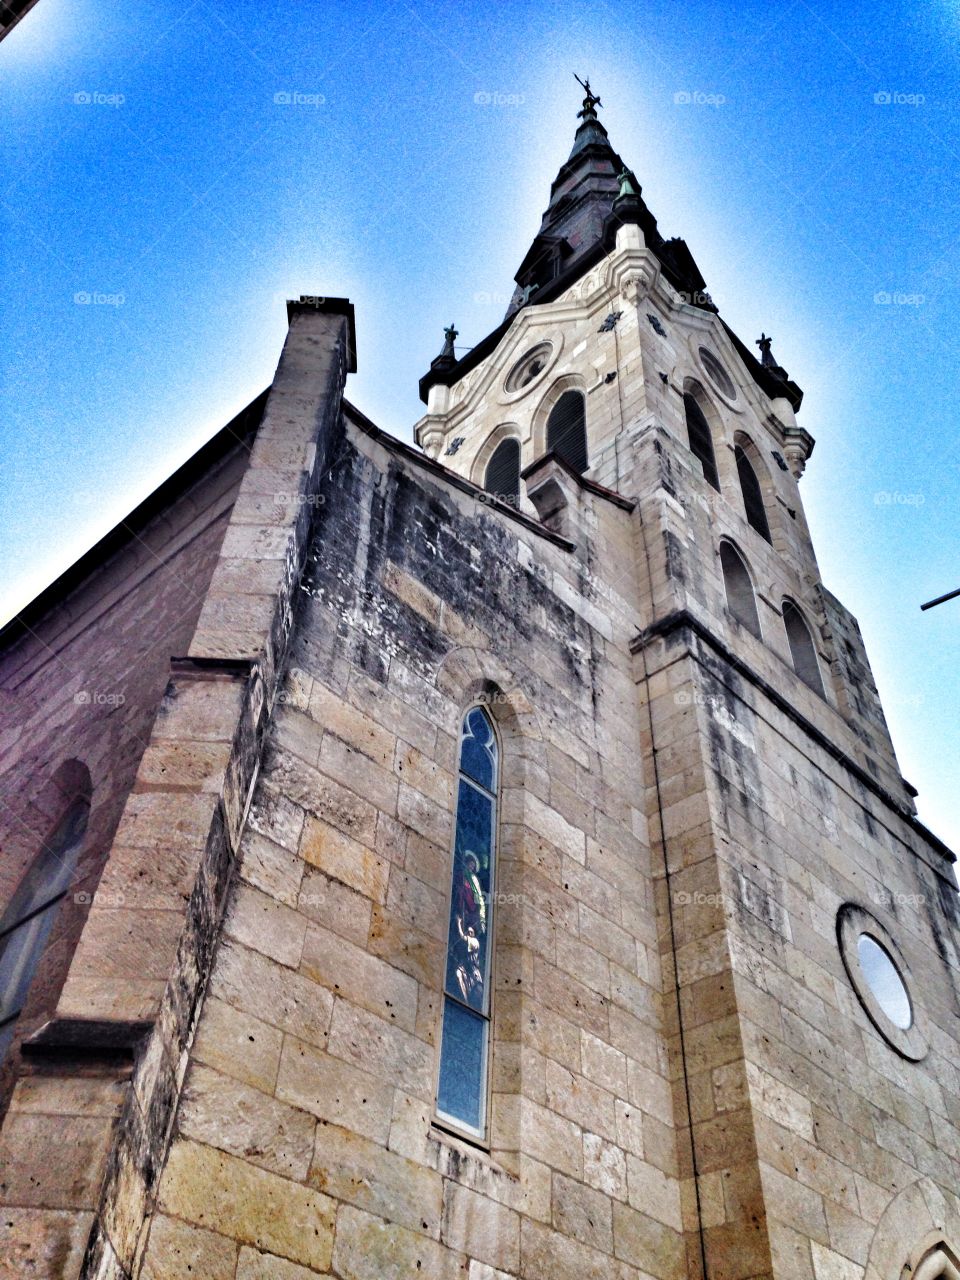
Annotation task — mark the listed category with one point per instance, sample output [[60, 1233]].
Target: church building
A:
[[484, 860]]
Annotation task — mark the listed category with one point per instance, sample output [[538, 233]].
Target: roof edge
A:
[[238, 431]]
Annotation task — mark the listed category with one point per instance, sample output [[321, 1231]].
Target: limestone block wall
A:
[[807, 1125], [305, 1141], [81, 684], [87, 1132]]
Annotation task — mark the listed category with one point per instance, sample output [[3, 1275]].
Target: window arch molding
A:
[[695, 389], [541, 415], [467, 678], [802, 645], [503, 431], [933, 1247], [739, 586], [761, 471]]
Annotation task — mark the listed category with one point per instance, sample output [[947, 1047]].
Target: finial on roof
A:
[[629, 186], [767, 358], [449, 335], [590, 102], [447, 357]]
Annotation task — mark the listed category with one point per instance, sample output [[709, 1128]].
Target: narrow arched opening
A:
[[567, 430], [738, 585], [502, 475], [803, 652]]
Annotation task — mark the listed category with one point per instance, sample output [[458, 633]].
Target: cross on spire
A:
[[590, 102]]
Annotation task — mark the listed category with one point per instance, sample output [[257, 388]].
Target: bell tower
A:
[[784, 832]]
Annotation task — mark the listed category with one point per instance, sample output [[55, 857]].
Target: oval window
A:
[[883, 978], [717, 373], [528, 367]]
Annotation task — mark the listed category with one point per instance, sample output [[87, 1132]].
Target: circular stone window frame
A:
[[731, 400], [853, 920], [556, 346]]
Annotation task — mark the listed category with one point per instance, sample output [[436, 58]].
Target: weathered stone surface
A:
[[343, 858], [37, 1244], [70, 1151], [480, 1228], [368, 1248], [254, 1265], [214, 1190], [177, 1251], [352, 973], [257, 985], [224, 1113], [334, 1090], [261, 922], [354, 1169], [238, 1044], [371, 1043]]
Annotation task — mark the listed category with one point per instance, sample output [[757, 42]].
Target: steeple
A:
[[581, 200], [593, 194]]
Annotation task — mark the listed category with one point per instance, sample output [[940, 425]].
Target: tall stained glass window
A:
[[465, 1042]]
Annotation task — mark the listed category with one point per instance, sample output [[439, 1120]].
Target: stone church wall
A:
[[305, 1129]]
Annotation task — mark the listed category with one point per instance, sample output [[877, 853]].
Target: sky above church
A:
[[172, 172]]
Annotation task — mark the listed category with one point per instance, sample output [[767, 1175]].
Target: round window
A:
[[528, 367], [881, 978], [717, 373]]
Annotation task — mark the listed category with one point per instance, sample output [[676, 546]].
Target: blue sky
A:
[[158, 204]]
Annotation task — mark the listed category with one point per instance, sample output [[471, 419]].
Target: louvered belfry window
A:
[[802, 649], [752, 495], [736, 582], [503, 472], [567, 430], [698, 432]]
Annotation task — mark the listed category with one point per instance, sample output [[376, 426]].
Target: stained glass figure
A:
[[461, 1095]]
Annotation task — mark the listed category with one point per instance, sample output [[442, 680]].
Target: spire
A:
[[581, 199], [593, 195], [591, 131]]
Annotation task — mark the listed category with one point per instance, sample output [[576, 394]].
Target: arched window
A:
[[465, 1038], [701, 442], [736, 580], [752, 494], [502, 476], [802, 650], [567, 430], [25, 925]]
